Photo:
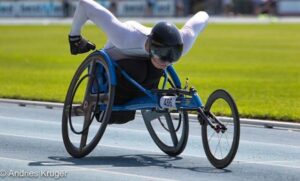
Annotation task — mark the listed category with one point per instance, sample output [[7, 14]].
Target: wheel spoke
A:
[[171, 129], [227, 140], [87, 120], [88, 89], [101, 116], [221, 146], [214, 132], [218, 143], [216, 146], [77, 110]]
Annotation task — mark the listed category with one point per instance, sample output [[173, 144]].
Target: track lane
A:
[[31, 140]]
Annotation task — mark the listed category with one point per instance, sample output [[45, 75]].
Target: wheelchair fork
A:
[[206, 117]]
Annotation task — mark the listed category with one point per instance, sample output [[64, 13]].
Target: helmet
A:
[[166, 42]]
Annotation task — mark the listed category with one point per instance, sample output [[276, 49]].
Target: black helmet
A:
[[166, 42]]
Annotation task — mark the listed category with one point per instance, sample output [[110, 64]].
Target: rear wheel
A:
[[87, 107], [221, 142]]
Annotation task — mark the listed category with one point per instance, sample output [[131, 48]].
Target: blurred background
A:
[[157, 8]]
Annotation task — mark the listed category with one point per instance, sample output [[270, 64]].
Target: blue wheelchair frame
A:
[[152, 97], [99, 73]]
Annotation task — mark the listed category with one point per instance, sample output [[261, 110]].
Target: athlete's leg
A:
[[192, 28]]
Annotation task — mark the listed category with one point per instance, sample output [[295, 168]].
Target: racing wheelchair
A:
[[89, 104]]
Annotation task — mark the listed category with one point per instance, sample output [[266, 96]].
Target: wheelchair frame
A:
[[151, 100]]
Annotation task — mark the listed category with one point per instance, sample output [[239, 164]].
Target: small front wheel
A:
[[221, 131]]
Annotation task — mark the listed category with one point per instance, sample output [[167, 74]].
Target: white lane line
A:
[[282, 161], [104, 145], [268, 163], [144, 150], [146, 132], [80, 168], [30, 120]]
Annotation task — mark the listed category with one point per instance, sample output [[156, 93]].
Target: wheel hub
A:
[[85, 104], [219, 128]]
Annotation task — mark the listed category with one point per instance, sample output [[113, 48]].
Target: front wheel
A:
[[221, 132]]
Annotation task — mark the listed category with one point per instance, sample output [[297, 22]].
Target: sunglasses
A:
[[166, 54], [162, 62], [162, 54]]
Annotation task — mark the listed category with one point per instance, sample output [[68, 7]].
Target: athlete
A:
[[142, 51]]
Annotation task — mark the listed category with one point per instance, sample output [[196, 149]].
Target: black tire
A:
[[232, 124], [86, 111], [178, 134]]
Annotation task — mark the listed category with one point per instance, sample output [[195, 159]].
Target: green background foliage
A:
[[259, 64]]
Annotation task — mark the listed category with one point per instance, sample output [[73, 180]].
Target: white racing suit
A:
[[126, 42]]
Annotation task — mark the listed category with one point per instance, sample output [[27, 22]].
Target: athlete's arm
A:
[[120, 34], [192, 28]]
